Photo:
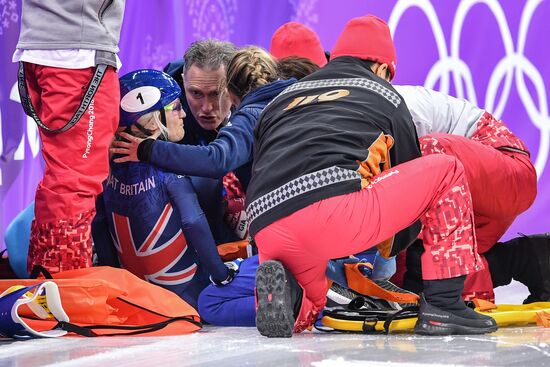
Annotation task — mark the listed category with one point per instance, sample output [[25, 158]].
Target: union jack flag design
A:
[[159, 254]]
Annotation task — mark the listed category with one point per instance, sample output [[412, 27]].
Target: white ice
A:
[[221, 347]]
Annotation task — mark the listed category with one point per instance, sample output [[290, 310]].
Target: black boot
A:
[[442, 311], [525, 259], [279, 299]]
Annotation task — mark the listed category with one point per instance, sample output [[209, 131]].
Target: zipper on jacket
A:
[[106, 4]]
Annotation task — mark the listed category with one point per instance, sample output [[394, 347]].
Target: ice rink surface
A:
[[221, 347]]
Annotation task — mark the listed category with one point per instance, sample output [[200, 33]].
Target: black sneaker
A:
[[279, 299], [435, 321]]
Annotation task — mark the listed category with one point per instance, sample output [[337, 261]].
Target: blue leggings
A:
[[232, 304]]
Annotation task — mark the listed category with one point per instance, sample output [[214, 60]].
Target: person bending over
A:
[[337, 171]]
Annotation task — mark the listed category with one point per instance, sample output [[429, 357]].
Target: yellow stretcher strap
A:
[[359, 326], [504, 315]]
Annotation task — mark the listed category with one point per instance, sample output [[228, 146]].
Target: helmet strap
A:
[[148, 132], [163, 116], [145, 131]]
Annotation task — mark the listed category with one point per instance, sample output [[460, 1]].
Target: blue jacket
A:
[[210, 192], [159, 229], [230, 151]]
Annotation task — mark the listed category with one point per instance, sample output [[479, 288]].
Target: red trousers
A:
[[77, 162], [503, 184], [431, 188]]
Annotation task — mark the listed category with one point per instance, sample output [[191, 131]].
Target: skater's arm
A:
[[195, 226]]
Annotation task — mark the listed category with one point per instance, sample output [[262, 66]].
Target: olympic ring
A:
[[215, 18], [512, 67]]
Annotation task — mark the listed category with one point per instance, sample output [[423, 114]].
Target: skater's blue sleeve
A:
[[195, 226], [231, 149], [232, 304]]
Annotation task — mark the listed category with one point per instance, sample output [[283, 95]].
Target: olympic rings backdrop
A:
[[494, 53]]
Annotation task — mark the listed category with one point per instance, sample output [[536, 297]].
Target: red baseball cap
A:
[[296, 39], [367, 38]]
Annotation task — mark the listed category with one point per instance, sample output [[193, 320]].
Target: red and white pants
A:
[[77, 162], [432, 188], [503, 184]]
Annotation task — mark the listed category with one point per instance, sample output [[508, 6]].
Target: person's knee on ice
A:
[[208, 305], [232, 304], [277, 194]]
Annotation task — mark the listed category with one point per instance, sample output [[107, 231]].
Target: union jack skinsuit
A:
[[159, 229]]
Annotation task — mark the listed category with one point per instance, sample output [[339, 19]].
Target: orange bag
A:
[[105, 301]]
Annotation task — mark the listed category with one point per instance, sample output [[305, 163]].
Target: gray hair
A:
[[209, 54]]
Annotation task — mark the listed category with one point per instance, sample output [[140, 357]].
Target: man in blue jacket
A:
[[201, 76]]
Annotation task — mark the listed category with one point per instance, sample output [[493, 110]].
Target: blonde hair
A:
[[152, 118], [250, 68]]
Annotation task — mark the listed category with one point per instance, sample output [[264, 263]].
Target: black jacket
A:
[[310, 140]]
